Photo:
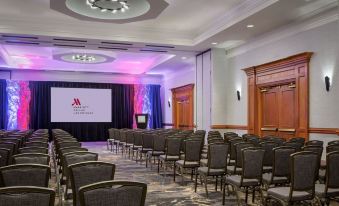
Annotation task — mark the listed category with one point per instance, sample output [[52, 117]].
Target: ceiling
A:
[[167, 42]]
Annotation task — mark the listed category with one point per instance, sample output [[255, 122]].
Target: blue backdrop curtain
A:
[[3, 104], [155, 99], [122, 110]]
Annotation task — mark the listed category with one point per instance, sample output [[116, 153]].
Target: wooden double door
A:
[[278, 110]]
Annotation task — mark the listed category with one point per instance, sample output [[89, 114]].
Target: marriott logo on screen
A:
[[76, 102]]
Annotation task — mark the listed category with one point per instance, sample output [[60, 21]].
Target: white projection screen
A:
[[81, 105]]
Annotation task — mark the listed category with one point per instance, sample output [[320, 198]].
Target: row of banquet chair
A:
[[270, 160], [90, 180]]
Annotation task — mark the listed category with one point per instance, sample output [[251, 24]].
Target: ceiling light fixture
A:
[[83, 58], [214, 43], [96, 4], [250, 26], [183, 58]]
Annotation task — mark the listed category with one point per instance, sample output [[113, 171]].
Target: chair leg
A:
[[192, 174], [246, 196], [206, 190], [223, 194], [262, 195], [253, 194], [182, 175], [216, 183], [174, 171], [196, 181], [146, 159], [158, 165]]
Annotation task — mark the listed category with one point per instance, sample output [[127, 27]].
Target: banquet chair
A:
[[26, 196], [303, 174], [251, 173], [25, 175], [113, 193], [31, 158], [86, 173]]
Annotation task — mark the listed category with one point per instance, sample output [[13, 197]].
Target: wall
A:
[[177, 79], [228, 75]]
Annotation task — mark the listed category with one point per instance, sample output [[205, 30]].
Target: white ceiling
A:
[[190, 26]]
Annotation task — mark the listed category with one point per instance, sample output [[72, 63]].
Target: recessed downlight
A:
[[214, 43], [183, 58], [250, 26]]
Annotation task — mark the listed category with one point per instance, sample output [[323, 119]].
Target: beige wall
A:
[[228, 76]]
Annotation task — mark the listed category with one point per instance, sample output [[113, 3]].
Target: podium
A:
[[141, 120]]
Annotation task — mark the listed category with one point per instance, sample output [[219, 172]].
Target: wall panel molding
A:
[[239, 127]]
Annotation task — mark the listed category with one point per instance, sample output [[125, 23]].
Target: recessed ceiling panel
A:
[[108, 9]]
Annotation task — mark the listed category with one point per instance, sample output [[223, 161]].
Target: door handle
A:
[[268, 129], [286, 130]]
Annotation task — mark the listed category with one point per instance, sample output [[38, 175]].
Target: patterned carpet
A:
[[161, 188]]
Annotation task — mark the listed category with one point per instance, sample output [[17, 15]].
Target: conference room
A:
[[169, 102]]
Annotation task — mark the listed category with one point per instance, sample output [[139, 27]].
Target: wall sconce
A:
[[238, 95], [327, 83], [169, 102]]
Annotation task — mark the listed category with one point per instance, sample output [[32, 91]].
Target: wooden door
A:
[[278, 111], [182, 98], [269, 111], [287, 111]]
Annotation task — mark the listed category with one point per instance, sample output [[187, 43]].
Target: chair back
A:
[[42, 150], [335, 142], [130, 137], [86, 173], [300, 140], [31, 158], [332, 170], [173, 146], [217, 156], [69, 144], [5, 155], [147, 140], [304, 171], [192, 150], [298, 146], [27, 196], [25, 175], [315, 143], [117, 192], [79, 156], [281, 163], [72, 149], [137, 138], [36, 144], [332, 148], [159, 143], [238, 148], [233, 152], [268, 147], [252, 163]]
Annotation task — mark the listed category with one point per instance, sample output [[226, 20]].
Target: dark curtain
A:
[[122, 110], [3, 104], [155, 99]]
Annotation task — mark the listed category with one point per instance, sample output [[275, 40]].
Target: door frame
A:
[[183, 92], [293, 68]]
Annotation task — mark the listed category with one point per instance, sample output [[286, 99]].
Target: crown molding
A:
[[235, 15], [284, 32]]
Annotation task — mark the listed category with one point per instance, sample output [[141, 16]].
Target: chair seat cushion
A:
[[236, 180], [203, 162], [128, 145], [204, 156], [141, 149], [230, 170], [155, 153], [204, 170], [276, 180], [189, 164], [282, 193], [267, 169], [169, 158], [320, 191]]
